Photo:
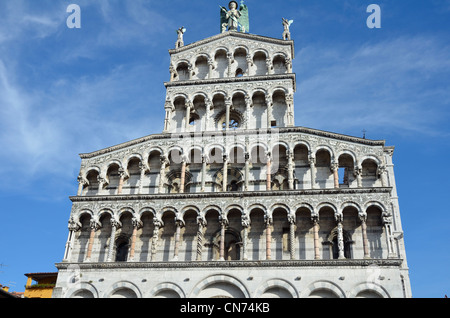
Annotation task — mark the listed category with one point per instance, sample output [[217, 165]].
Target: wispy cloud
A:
[[50, 110], [399, 85]]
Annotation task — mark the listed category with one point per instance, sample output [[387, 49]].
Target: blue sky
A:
[[69, 91]]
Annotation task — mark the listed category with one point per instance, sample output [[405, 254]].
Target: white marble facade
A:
[[232, 199]]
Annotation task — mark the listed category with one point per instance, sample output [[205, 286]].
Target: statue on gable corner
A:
[[234, 19], [286, 32], [180, 41]]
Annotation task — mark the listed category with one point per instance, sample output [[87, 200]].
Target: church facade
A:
[[232, 199]]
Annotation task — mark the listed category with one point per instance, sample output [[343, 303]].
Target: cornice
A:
[[282, 130], [240, 195], [228, 80], [247, 36], [234, 264]]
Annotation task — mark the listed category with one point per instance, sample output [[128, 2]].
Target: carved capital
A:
[[74, 225]]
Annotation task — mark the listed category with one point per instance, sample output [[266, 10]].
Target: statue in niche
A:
[[234, 19]]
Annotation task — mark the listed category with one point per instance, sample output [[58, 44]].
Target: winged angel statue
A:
[[234, 19]]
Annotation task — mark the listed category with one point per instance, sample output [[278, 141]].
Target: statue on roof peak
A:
[[234, 19]]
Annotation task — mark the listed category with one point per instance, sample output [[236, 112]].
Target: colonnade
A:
[[224, 225]]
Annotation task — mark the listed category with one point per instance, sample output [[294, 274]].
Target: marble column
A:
[[74, 226], [223, 224], [382, 173], [269, 105], [143, 169], [230, 61], [291, 220], [179, 223], [114, 226], [288, 65], [203, 181], [315, 220], [169, 108], [363, 219], [190, 71], [249, 64], [162, 174], [248, 107], [183, 174], [81, 184], [358, 174], [228, 104], [137, 224], [269, 66], [188, 115], [290, 157], [173, 72], [387, 223], [290, 109], [210, 67], [201, 222], [225, 173], [94, 225], [245, 221], [335, 169], [268, 172], [247, 171], [268, 222], [312, 165], [157, 225], [340, 235], [121, 180], [101, 183], [208, 105]]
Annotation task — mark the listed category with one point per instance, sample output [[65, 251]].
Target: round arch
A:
[[285, 289], [226, 286], [130, 290], [323, 287], [368, 289], [166, 290]]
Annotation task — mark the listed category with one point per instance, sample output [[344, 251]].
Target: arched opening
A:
[[134, 172], [112, 178], [154, 162], [123, 236], [189, 235], [123, 293], [280, 233], [183, 71], [324, 175], [302, 175], [93, 184], [369, 173], [212, 219], [259, 60], [240, 61], [279, 64], [259, 109], [346, 170], [376, 235], [279, 109], [221, 63], [256, 235], [276, 292], [323, 293], [122, 247], [304, 228], [201, 67], [168, 236]]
